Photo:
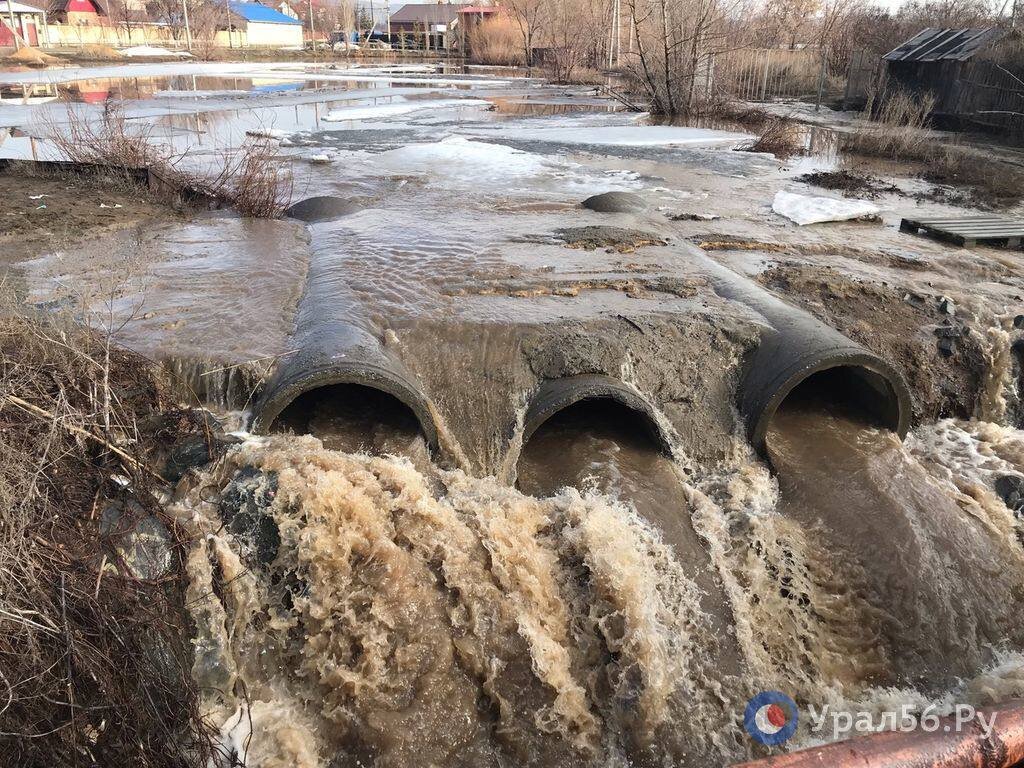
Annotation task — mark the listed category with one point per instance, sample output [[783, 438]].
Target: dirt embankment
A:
[[941, 360], [94, 638], [44, 211]]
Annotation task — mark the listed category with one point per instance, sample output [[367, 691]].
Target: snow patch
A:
[[144, 51], [804, 209]]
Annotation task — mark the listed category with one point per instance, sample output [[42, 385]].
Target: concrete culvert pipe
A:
[[797, 350], [343, 361], [558, 394]]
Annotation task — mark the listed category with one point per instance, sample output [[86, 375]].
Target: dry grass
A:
[[498, 42], [900, 133], [248, 178], [898, 130], [94, 663], [779, 136]]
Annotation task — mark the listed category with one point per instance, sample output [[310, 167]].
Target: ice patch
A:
[[377, 111], [629, 136], [456, 157], [804, 209]]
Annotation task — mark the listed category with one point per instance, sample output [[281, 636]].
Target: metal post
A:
[[188, 31], [764, 82], [227, 8], [312, 29], [821, 79]]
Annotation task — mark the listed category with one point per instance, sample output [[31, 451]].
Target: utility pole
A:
[[188, 32], [312, 31], [227, 8]]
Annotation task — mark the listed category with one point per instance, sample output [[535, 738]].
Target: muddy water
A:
[[610, 612], [604, 447], [943, 585]]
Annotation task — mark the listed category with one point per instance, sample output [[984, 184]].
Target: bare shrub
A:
[[779, 136], [247, 177], [496, 41], [94, 661]]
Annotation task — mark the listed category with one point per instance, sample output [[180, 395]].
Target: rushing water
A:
[[611, 611]]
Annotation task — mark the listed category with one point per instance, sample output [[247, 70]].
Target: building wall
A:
[[273, 35]]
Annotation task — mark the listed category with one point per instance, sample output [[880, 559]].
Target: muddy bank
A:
[[45, 211], [941, 359]]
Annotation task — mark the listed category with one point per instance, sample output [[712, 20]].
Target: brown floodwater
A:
[[939, 594]]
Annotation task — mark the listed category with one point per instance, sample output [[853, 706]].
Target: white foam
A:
[[804, 209]]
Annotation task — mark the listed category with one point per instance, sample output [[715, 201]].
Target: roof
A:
[[62, 5], [7, 7], [426, 13], [261, 14], [934, 44]]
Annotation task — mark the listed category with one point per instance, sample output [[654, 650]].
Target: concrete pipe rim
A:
[[283, 393], [900, 400], [555, 395]]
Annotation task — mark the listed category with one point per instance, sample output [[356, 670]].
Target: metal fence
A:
[[763, 74]]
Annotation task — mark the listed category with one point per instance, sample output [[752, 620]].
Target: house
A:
[[264, 26], [426, 24], [284, 7], [470, 19], [28, 23], [84, 12], [973, 75]]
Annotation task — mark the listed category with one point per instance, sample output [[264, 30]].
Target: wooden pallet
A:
[[969, 230]]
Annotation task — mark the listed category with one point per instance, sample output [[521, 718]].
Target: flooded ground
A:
[[612, 588]]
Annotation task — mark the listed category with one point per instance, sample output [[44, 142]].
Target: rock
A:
[[321, 208], [1018, 321], [946, 306], [195, 450], [946, 346], [142, 543], [1011, 490], [615, 202], [693, 217], [245, 508]]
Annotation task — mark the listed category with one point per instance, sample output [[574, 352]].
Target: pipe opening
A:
[[852, 391], [353, 418], [583, 441]]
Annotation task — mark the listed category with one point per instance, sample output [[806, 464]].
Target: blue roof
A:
[[261, 14]]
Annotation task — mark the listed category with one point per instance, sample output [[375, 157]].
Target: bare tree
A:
[[676, 44], [530, 17]]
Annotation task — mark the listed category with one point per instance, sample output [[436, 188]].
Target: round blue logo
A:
[[770, 717]]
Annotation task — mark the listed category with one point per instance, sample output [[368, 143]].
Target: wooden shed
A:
[[974, 75]]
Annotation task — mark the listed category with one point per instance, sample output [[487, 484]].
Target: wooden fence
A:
[[987, 96]]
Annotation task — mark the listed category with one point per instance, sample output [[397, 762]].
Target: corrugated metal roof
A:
[[934, 44], [426, 13], [261, 14]]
